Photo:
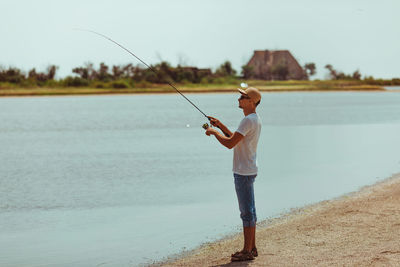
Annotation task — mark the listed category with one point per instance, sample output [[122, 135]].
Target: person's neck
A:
[[249, 111]]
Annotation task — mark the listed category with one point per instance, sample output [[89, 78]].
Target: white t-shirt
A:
[[245, 152]]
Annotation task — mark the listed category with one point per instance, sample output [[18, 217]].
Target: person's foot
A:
[[254, 252], [236, 253], [242, 256]]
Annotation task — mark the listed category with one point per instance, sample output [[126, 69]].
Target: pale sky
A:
[[348, 34]]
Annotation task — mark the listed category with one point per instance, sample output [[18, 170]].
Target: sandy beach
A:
[[358, 229]]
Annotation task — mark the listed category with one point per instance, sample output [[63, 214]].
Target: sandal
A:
[[254, 252], [243, 256], [236, 253]]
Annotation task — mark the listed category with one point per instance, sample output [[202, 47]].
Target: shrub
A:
[[51, 83], [119, 84], [207, 80], [225, 69], [143, 84], [98, 85], [75, 82], [395, 81]]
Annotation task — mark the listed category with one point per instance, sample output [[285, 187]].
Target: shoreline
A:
[[88, 92], [360, 228]]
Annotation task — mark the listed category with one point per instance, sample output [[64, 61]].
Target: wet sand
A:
[[358, 229]]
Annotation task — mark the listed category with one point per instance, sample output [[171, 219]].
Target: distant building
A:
[[275, 65]]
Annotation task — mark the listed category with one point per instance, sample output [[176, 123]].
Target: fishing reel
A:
[[206, 126]]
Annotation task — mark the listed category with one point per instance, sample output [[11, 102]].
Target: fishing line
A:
[[149, 67]]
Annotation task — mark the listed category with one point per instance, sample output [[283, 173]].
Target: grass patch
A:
[[122, 88]]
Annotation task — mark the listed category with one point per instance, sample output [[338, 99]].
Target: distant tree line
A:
[[15, 75], [123, 76], [129, 76], [334, 74], [337, 75]]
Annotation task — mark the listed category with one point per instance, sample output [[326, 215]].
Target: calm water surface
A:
[[99, 180], [397, 88]]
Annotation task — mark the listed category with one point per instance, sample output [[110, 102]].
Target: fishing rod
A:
[[205, 126]]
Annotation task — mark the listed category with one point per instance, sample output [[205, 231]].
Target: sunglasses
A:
[[243, 97]]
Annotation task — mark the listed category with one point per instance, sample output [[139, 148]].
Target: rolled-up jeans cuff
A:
[[249, 223], [245, 194]]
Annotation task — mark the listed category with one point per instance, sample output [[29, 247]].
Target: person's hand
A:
[[214, 121], [211, 131]]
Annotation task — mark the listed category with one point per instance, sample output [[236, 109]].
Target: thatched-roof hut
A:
[[275, 65]]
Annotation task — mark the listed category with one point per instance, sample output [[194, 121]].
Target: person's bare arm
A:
[[220, 125], [229, 142]]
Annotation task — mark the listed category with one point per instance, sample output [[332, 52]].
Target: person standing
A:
[[244, 142]]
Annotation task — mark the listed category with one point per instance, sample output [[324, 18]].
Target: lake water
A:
[[123, 180], [392, 87]]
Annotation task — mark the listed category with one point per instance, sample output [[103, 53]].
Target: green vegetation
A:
[[137, 79]]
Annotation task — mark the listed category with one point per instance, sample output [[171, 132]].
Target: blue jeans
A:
[[245, 194]]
